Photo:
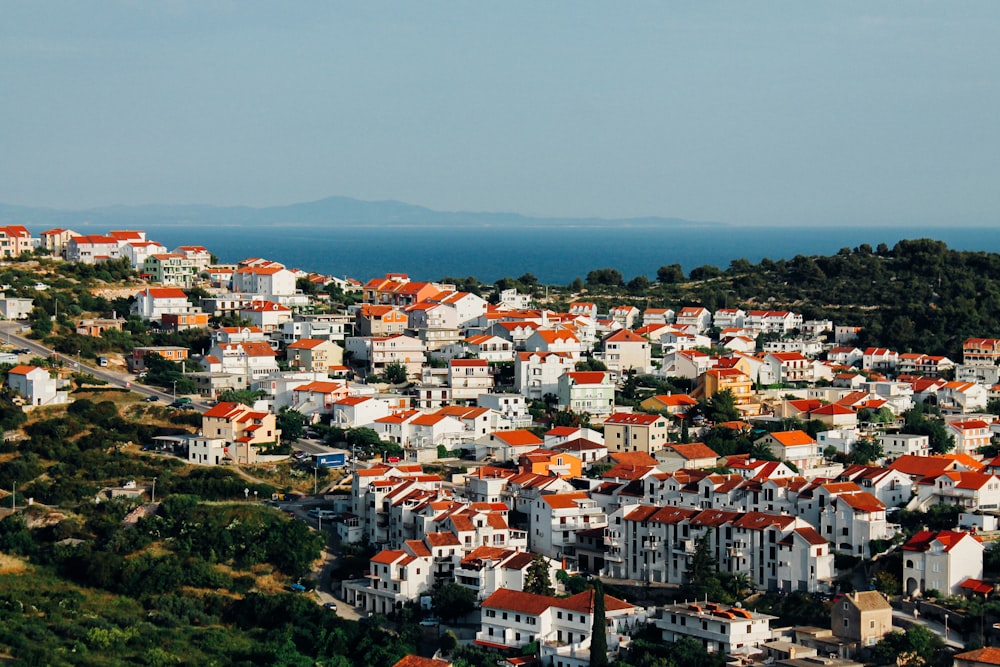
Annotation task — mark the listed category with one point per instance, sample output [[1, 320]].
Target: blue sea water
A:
[[554, 255]]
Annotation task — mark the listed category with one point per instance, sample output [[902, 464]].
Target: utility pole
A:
[[13, 498], [153, 498]]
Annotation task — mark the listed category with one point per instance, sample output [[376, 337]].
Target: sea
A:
[[556, 255]]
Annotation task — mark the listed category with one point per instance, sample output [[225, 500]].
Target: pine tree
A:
[[537, 579], [598, 631]]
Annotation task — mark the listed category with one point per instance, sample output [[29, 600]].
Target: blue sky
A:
[[826, 113]]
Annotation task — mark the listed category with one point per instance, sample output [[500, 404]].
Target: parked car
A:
[[297, 588], [151, 399], [430, 621], [330, 605]]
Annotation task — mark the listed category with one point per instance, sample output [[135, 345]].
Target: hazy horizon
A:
[[771, 114]]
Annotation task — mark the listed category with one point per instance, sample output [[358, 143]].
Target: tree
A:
[[701, 579], [598, 630], [722, 407], [638, 285], [609, 277], [395, 373], [538, 579], [451, 601], [866, 450], [291, 423], [670, 274]]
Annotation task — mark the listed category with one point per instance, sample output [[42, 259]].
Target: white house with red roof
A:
[[625, 350], [138, 251], [725, 318], [658, 316], [692, 455], [962, 397], [880, 359], [91, 249], [587, 308], [36, 386], [482, 346], [786, 367], [591, 392], [627, 316], [486, 569], [554, 519], [267, 316], [971, 490], [796, 447], [538, 373], [561, 626], [969, 434], [427, 431], [686, 364], [318, 397], [697, 317], [506, 445], [469, 378], [559, 340], [941, 561], [271, 281], [153, 303], [380, 351], [852, 519], [169, 268], [248, 361], [359, 411]]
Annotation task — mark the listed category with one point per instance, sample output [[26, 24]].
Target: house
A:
[[969, 434], [895, 445], [635, 432], [721, 629], [490, 348], [359, 411], [318, 397], [313, 354], [554, 519], [271, 281], [35, 386], [738, 383], [583, 308], [506, 445], [941, 561], [625, 350], [561, 626], [981, 352], [243, 428], [689, 456], [512, 408], [590, 392], [55, 240], [137, 360], [627, 316], [379, 320], [561, 341], [673, 404], [154, 302], [248, 361], [469, 378], [175, 322], [487, 569], [266, 315], [795, 447], [658, 316], [879, 359], [537, 373], [788, 367], [962, 397], [170, 269], [971, 490], [550, 462], [91, 249], [136, 252], [587, 451], [412, 660], [696, 317], [726, 318], [864, 617]]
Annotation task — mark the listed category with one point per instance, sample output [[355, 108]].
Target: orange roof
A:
[[518, 437], [564, 500], [634, 418], [793, 438], [694, 450], [988, 655], [306, 344], [634, 458], [387, 556], [21, 370], [412, 660]]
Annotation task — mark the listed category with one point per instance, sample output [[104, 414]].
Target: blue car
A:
[[298, 588]]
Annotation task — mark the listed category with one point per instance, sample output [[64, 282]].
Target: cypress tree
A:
[[598, 631]]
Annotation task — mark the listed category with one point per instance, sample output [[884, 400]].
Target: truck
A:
[[330, 460]]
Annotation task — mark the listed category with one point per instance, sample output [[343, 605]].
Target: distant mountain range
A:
[[329, 212]]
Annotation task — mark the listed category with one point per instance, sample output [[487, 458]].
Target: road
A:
[[12, 334]]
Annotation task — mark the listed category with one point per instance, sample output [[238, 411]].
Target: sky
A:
[[757, 113]]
